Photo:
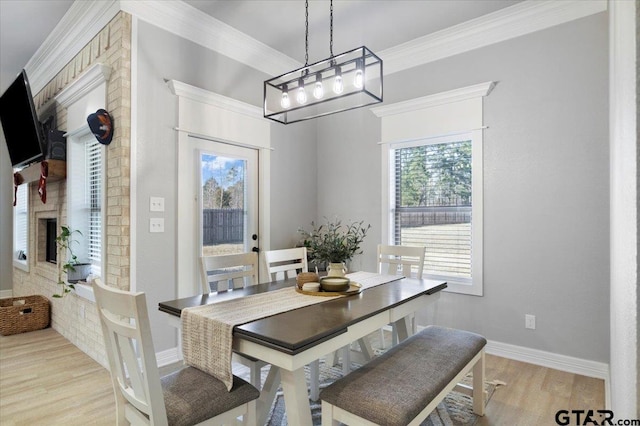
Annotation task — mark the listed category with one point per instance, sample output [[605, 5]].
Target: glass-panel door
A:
[[227, 205]]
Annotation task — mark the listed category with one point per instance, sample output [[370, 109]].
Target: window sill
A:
[[85, 291], [21, 264]]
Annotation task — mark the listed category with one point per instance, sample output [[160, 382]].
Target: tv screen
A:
[[22, 130]]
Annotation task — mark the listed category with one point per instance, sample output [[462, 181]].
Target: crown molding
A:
[[461, 94], [200, 95], [78, 26], [85, 19], [188, 22], [89, 80], [514, 21]]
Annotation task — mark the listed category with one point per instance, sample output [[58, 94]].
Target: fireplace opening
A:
[[51, 248]]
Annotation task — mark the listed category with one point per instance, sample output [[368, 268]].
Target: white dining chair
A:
[[186, 397], [407, 261], [286, 263], [228, 272]]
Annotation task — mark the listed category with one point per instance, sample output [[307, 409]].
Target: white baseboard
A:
[[6, 294], [599, 370], [168, 357]]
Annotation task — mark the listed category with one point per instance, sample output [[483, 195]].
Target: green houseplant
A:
[[333, 241], [65, 241]]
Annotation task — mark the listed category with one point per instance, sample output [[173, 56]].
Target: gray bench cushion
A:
[[192, 396], [395, 387]]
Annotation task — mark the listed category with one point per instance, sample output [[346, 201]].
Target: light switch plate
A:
[[156, 224], [156, 204]]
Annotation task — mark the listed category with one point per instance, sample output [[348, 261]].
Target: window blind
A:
[[94, 164], [433, 202], [20, 221]]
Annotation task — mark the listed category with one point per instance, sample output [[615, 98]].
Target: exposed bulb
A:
[[358, 79], [301, 97], [318, 89], [284, 101], [338, 87]]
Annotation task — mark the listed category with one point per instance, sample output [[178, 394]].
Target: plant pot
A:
[[80, 273]]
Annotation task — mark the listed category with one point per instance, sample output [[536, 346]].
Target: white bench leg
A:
[[314, 380], [327, 415], [478, 386]]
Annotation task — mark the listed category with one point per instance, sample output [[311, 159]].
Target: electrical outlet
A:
[[530, 322]]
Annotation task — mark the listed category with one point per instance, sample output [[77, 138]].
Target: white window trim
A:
[[17, 263], [411, 110]]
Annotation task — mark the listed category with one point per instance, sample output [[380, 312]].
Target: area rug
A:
[[455, 410]]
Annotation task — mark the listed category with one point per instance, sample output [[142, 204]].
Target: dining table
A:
[[294, 338]]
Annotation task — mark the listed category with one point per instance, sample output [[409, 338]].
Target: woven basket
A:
[[22, 314], [306, 277]]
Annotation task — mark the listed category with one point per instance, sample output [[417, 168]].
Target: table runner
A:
[[207, 331]]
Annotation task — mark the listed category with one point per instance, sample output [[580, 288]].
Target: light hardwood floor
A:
[[45, 380]]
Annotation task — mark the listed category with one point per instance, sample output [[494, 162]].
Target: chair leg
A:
[[327, 415]]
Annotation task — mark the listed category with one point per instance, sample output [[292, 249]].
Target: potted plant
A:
[[334, 243], [75, 270]]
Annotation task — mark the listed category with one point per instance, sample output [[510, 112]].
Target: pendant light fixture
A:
[[349, 80]]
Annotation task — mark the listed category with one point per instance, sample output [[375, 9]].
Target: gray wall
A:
[[546, 246], [162, 55], [546, 177], [6, 217]]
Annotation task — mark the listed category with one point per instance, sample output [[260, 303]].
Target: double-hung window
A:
[[85, 183], [432, 202], [432, 182], [21, 227]]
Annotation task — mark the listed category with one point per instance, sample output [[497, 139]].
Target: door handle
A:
[[255, 249]]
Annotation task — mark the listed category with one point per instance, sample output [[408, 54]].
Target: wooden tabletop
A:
[[295, 331]]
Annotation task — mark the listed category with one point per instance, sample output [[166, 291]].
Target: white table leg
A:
[[346, 360], [403, 328], [366, 349], [268, 394], [296, 398]]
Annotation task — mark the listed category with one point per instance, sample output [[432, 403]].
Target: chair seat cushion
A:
[[192, 396], [395, 387]]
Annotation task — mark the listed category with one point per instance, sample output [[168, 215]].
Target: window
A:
[[85, 197], [432, 182], [21, 228], [433, 204]]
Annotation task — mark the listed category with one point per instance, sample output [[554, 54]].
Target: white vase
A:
[[336, 269]]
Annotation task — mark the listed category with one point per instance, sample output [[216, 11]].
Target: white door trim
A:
[[202, 115]]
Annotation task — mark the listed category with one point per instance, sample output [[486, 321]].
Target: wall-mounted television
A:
[[23, 131]]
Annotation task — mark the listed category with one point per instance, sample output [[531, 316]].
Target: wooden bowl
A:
[[306, 277], [334, 283]]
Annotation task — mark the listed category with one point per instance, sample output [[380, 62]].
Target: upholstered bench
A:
[[405, 384]]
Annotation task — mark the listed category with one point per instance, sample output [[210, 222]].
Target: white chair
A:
[[231, 271], [400, 260], [286, 263], [187, 397]]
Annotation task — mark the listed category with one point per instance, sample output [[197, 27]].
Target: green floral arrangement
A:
[[334, 242]]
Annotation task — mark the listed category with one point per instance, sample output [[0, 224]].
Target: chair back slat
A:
[[230, 271], [286, 263], [401, 260]]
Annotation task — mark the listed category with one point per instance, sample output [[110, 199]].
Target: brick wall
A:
[[72, 316]]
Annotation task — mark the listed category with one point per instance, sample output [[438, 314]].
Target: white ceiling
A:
[[377, 24]]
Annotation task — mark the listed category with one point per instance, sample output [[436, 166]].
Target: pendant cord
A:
[[331, 29], [306, 33]]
